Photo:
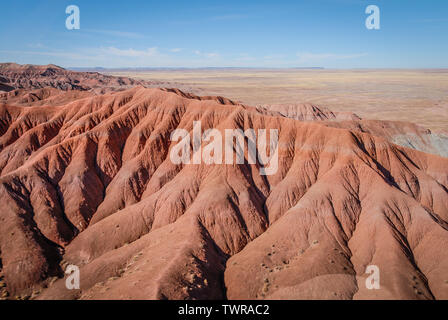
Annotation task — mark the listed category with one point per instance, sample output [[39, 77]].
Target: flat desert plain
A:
[[418, 96]]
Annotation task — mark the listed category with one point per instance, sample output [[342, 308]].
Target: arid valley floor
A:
[[419, 96]]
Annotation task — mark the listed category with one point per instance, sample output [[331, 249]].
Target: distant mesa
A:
[[15, 76]]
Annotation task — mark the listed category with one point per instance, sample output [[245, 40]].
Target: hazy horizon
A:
[[143, 68]]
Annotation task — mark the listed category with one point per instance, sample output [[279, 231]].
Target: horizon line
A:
[[256, 68]]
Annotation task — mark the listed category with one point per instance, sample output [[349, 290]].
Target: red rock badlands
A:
[[89, 182]]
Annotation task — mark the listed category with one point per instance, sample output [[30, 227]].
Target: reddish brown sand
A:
[[90, 183]]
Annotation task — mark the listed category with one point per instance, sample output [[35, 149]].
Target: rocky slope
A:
[[90, 182], [402, 133]]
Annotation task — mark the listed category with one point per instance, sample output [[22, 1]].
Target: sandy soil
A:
[[419, 96]]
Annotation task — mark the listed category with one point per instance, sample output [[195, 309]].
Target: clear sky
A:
[[230, 33]]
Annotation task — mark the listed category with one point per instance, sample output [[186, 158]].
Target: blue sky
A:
[[207, 33]]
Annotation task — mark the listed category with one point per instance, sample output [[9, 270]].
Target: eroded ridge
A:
[[91, 183]]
